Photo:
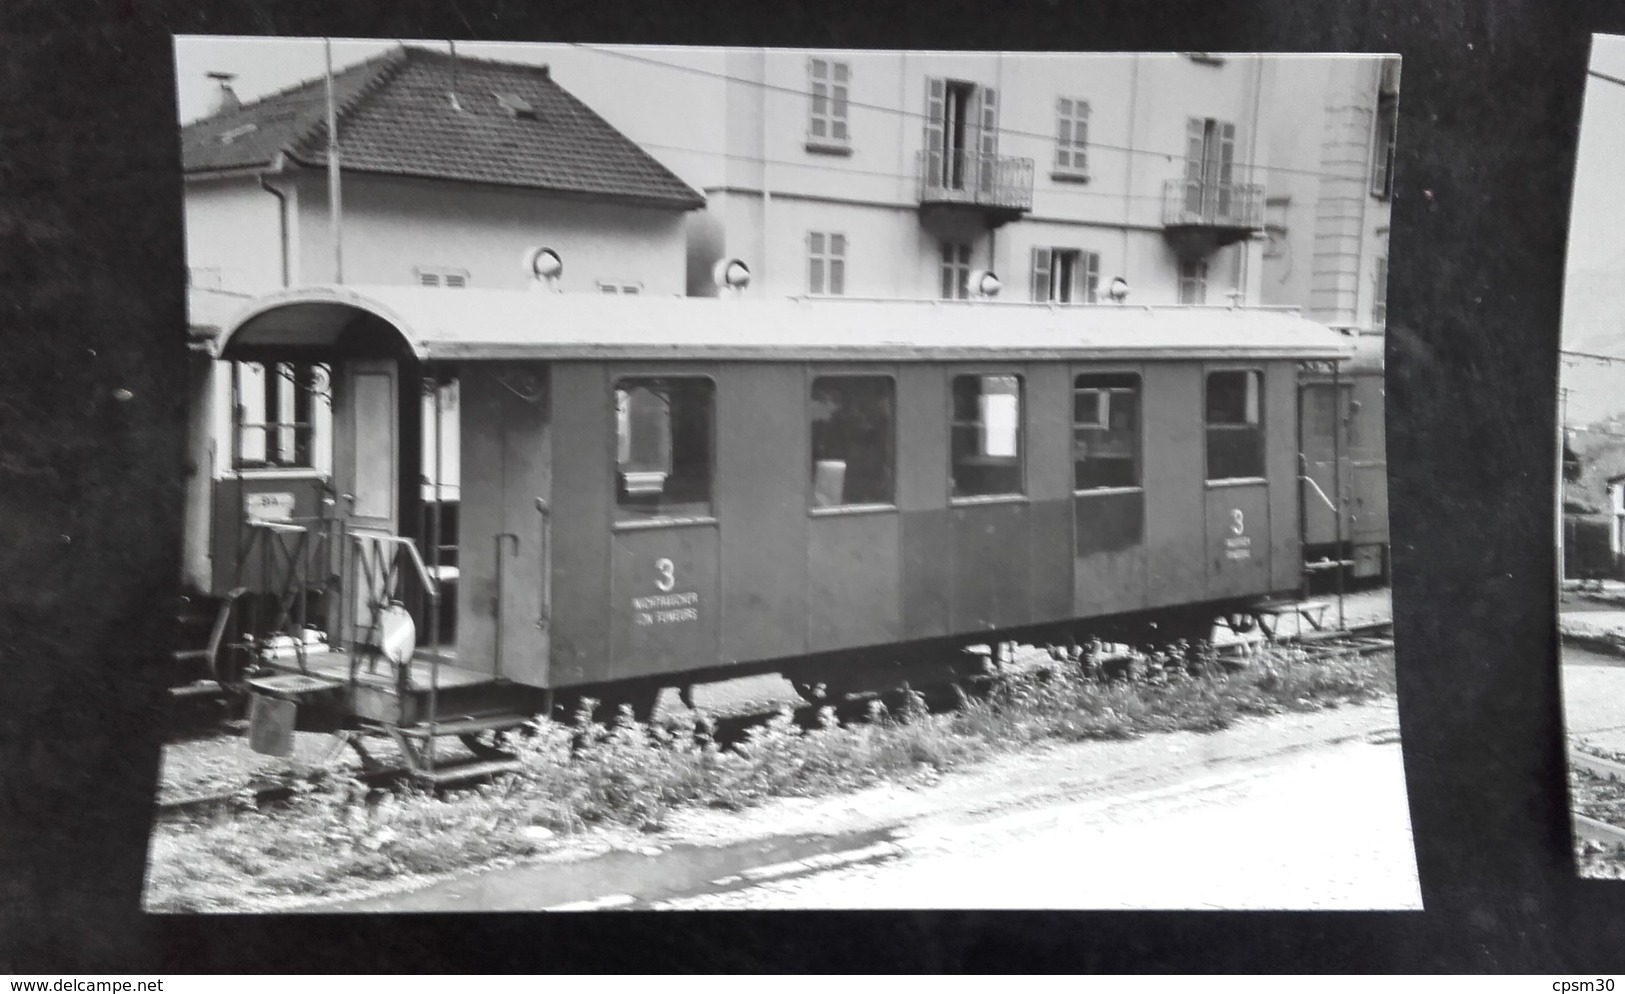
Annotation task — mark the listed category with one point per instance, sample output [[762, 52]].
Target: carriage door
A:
[[1322, 465], [366, 445], [1237, 485], [504, 526], [366, 471], [1108, 497]]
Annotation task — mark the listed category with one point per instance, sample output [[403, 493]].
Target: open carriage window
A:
[[987, 456], [853, 440], [1235, 424], [1106, 431], [274, 414], [663, 429]]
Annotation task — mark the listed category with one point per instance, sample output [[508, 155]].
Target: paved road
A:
[[1327, 830], [1296, 812], [1594, 696]]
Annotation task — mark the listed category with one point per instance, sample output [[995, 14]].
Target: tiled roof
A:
[[395, 117]]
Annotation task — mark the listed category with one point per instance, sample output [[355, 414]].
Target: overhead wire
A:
[[900, 112], [883, 173], [1591, 355]]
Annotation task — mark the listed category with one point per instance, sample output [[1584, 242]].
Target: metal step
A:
[[294, 686], [1288, 607], [477, 769], [1326, 564], [467, 726], [197, 688]]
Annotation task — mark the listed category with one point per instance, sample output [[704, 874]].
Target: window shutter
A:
[[1080, 136], [1063, 133], [936, 90], [1194, 128], [840, 80], [1041, 266], [987, 140], [818, 97], [1227, 156], [1091, 277]]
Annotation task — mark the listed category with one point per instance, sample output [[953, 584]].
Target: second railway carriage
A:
[[1344, 451], [659, 492]]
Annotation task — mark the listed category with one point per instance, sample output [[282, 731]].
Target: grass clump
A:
[[337, 833]]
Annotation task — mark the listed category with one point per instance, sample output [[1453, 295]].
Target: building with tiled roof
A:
[[451, 169], [423, 114]]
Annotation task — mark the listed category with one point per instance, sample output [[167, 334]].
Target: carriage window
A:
[[274, 414], [853, 432], [663, 448], [1235, 424], [986, 447], [1106, 431]]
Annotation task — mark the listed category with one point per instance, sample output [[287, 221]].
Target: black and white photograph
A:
[[668, 478], [1591, 418]]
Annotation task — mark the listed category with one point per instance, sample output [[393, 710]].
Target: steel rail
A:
[[730, 730]]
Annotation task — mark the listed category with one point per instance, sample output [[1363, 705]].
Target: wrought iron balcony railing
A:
[[963, 177], [1199, 203]]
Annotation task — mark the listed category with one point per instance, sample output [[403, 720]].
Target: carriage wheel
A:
[[816, 691], [495, 743], [642, 701]]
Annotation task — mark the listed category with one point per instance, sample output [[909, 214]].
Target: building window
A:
[[1276, 214], [955, 271], [827, 88], [274, 414], [624, 287], [826, 264], [1192, 281], [663, 429], [1106, 431], [853, 440], [1065, 276], [1379, 299], [1382, 159], [1210, 160], [1071, 138], [986, 436], [1235, 424], [453, 279], [961, 136]]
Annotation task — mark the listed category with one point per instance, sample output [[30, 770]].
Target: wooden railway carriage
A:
[[658, 492]]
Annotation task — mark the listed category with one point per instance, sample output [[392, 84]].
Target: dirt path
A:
[[1065, 786]]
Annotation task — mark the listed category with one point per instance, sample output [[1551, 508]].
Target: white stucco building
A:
[[904, 171], [451, 169], [1196, 178]]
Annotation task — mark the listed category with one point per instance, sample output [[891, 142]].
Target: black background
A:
[[92, 300]]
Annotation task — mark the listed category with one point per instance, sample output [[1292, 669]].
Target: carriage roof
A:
[[473, 324]]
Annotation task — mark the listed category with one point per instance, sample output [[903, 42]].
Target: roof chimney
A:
[[226, 99]]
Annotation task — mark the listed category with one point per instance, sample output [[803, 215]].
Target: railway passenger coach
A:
[[659, 492], [1345, 452]]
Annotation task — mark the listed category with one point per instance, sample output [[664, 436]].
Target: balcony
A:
[[997, 187], [1199, 217]]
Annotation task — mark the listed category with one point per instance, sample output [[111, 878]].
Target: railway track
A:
[[730, 730], [1585, 826]]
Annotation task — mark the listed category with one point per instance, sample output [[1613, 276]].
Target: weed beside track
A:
[[335, 833]]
